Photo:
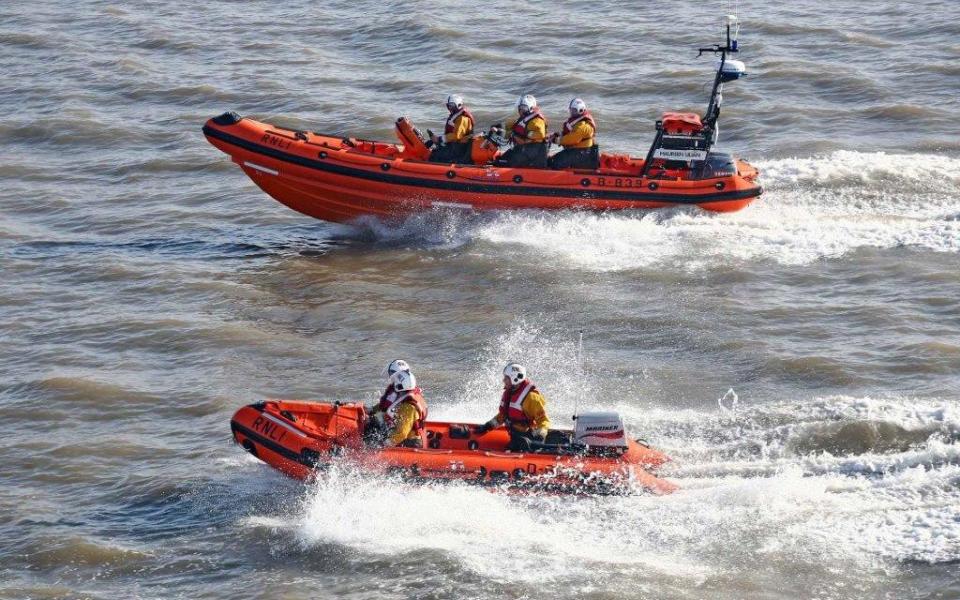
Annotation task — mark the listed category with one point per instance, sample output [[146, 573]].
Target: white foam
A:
[[814, 208], [850, 168], [859, 511], [541, 539]]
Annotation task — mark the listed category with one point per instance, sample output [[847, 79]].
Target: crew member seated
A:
[[528, 135], [522, 409], [410, 413], [388, 398], [580, 149], [454, 145]]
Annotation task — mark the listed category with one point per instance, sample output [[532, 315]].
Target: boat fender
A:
[[451, 174], [473, 445], [227, 118], [518, 178], [652, 185], [585, 182]]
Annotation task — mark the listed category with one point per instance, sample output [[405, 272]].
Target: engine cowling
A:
[[600, 429]]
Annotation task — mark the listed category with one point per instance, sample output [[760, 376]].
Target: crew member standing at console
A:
[[529, 136], [454, 145], [578, 140], [411, 412], [522, 408]]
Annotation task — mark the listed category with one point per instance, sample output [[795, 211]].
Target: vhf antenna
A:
[[576, 404]]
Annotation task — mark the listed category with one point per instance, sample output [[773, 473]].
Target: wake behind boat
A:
[[341, 179]]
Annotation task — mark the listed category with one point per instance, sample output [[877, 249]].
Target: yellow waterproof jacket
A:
[[404, 419], [535, 409], [462, 129], [536, 131], [581, 136]]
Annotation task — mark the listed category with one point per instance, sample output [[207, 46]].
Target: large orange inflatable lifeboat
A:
[[342, 179], [301, 439]]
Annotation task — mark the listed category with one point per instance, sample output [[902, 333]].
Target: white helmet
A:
[[577, 107], [526, 103], [454, 102], [396, 365], [403, 381], [516, 373]]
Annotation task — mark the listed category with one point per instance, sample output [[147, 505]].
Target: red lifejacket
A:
[[520, 127], [388, 402], [415, 397], [450, 126], [586, 116], [511, 403]]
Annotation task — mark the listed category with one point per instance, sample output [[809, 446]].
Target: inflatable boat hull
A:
[[342, 180], [302, 438]]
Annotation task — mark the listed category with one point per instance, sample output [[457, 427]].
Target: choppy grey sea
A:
[[148, 289]]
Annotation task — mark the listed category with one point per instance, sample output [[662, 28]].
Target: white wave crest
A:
[[851, 168]]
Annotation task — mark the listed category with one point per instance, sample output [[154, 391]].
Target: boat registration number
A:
[[620, 182]]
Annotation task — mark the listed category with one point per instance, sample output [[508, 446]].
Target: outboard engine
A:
[[600, 429]]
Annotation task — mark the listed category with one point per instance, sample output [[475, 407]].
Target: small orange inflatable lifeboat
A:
[[301, 438]]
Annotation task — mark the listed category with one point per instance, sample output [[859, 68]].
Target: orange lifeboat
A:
[[301, 439], [342, 179]]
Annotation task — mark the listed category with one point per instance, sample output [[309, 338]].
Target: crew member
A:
[[578, 140], [388, 399], [410, 413], [528, 135], [522, 408], [454, 145]]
